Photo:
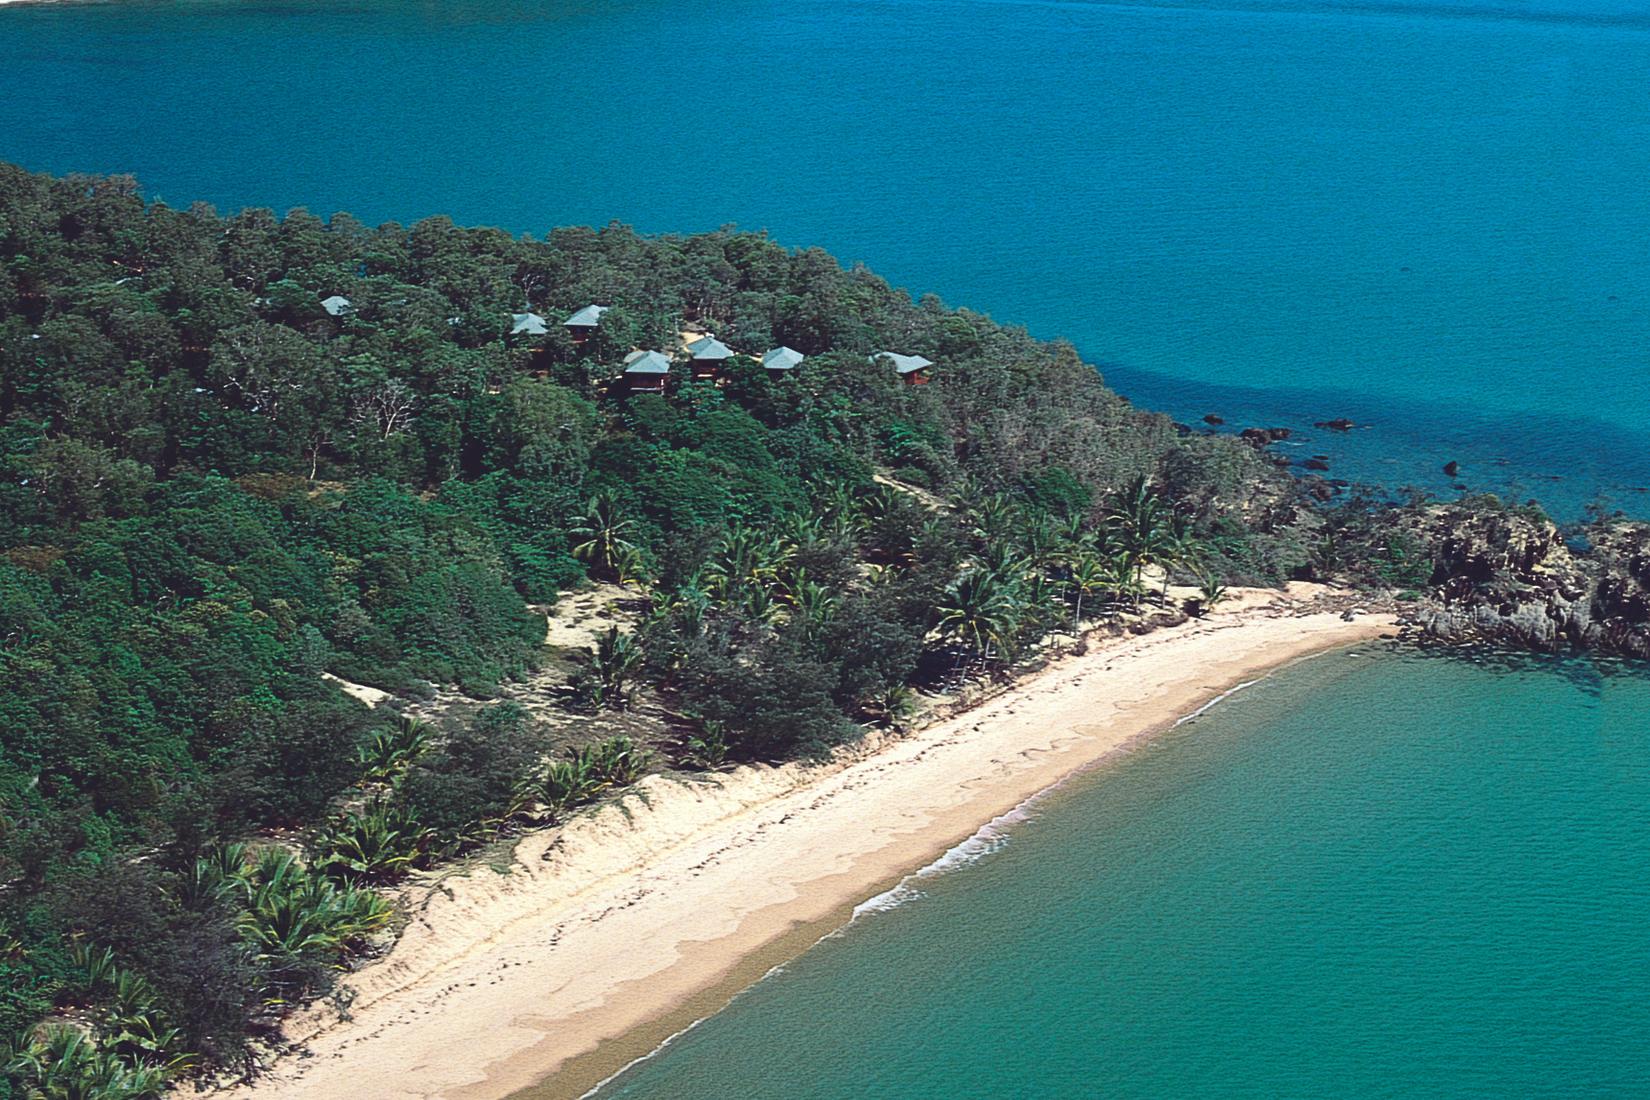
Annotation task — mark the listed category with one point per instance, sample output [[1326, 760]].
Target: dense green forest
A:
[[214, 490]]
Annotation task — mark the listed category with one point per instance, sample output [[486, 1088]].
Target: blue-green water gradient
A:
[[1428, 216], [1373, 876]]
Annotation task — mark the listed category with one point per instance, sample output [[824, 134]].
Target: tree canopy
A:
[[217, 491]]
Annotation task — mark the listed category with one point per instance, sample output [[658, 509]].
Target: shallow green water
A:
[[1367, 876]]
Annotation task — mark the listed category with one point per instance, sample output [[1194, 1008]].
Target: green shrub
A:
[[379, 843], [465, 789], [588, 771], [298, 923]]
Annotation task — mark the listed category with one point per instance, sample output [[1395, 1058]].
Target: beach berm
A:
[[614, 932]]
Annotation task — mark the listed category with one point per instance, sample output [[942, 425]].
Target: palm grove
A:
[[215, 491]]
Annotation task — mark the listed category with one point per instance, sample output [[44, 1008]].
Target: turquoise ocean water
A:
[[1428, 216], [1367, 876], [1371, 877]]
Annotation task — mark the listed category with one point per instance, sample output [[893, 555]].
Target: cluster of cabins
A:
[[707, 357]]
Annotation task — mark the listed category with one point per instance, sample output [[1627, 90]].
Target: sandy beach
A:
[[606, 936]]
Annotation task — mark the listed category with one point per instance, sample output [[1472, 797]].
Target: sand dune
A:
[[616, 931]]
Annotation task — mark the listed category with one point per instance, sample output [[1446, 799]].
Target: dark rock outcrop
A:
[[1512, 578], [1214, 421], [1339, 424], [1319, 489]]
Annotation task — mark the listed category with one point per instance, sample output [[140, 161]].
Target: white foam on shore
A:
[[987, 840], [1217, 700], [992, 836]]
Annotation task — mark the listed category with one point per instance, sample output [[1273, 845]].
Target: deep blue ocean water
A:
[[1369, 876], [1430, 217]]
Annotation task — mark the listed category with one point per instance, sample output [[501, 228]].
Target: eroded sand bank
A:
[[620, 928]]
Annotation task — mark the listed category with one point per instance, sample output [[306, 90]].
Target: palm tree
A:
[[1141, 523], [393, 749], [618, 656], [758, 603], [813, 605], [1039, 600], [63, 1063], [991, 517], [686, 604], [1004, 559], [708, 749], [978, 609], [376, 844], [602, 532], [1087, 577], [629, 566], [1181, 548], [219, 874], [746, 557], [1211, 591], [1041, 541], [1123, 581], [619, 761], [296, 919], [1074, 538], [882, 521], [804, 528], [837, 502], [568, 783], [872, 508]]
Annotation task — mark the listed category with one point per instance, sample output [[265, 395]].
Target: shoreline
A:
[[775, 955], [617, 932]]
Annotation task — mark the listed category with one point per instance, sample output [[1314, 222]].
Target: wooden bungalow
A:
[[584, 323], [527, 324], [913, 370], [646, 371], [530, 329], [780, 361], [708, 356]]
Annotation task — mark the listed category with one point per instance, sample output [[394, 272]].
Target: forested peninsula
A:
[[296, 517]]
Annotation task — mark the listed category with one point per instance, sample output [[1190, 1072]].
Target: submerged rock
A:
[[1261, 437], [1339, 424], [1214, 421]]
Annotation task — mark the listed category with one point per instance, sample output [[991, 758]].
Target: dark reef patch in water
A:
[[1565, 463]]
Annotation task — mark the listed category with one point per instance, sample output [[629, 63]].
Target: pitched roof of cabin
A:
[[588, 317], [782, 358], [530, 323], [646, 362], [904, 364], [709, 347], [337, 305]]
